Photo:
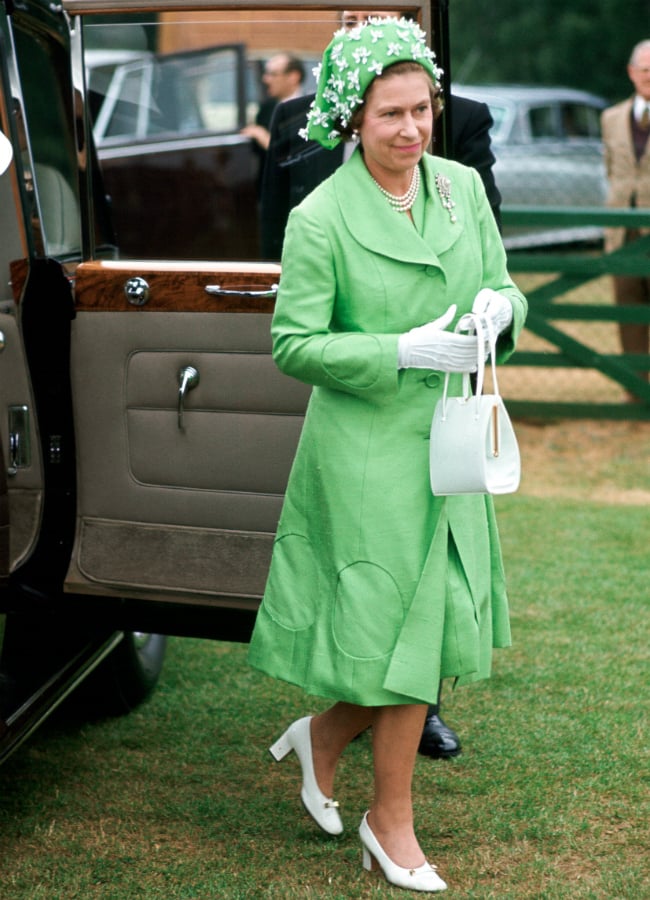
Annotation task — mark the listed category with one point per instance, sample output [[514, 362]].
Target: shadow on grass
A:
[[180, 799]]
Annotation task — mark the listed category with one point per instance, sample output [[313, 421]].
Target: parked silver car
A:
[[548, 151]]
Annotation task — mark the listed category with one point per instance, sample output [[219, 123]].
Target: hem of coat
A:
[[378, 698], [278, 662]]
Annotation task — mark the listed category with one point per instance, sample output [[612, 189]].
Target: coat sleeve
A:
[[305, 345], [495, 272]]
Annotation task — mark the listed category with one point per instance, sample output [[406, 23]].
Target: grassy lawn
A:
[[548, 800]]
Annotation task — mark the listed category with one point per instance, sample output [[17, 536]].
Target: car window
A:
[[207, 92], [169, 100], [543, 122], [170, 95], [48, 152], [580, 120], [500, 118], [124, 111]]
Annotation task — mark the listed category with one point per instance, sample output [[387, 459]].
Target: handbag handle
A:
[[472, 323]]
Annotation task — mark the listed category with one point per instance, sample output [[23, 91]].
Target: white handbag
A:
[[473, 447]]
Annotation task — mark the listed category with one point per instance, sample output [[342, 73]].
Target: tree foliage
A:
[[577, 43]]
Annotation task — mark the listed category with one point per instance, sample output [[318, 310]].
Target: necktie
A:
[[644, 121]]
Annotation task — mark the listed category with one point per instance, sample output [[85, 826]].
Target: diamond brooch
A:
[[443, 184]]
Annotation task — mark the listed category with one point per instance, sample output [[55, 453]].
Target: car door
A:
[[22, 476], [185, 429], [169, 433]]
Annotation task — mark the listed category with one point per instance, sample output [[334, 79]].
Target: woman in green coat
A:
[[377, 589]]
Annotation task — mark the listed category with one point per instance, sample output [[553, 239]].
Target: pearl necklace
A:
[[405, 202]]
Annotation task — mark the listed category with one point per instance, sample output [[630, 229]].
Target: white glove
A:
[[495, 307], [431, 347]]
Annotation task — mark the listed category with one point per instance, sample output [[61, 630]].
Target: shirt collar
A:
[[640, 104]]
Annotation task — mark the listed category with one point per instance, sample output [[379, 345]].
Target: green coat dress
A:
[[377, 589]]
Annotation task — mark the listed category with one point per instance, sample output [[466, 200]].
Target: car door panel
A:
[[20, 455], [20, 443], [179, 503]]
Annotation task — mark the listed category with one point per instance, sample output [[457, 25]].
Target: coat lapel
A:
[[378, 228]]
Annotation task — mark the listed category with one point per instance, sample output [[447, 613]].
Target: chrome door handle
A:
[[188, 378], [217, 291]]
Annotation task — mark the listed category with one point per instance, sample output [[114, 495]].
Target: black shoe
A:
[[438, 740]]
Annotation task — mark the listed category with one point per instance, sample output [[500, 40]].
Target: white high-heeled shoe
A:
[[424, 878], [322, 809]]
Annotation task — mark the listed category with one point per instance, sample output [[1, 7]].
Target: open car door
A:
[[184, 429]]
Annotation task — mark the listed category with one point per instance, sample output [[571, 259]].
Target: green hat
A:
[[351, 61]]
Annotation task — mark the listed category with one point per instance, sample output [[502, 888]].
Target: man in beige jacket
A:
[[626, 128]]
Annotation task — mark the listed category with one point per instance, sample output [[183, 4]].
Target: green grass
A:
[[548, 800]]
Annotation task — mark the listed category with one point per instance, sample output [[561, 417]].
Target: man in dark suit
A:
[[294, 167]]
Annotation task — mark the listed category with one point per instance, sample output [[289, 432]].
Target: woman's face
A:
[[397, 123]]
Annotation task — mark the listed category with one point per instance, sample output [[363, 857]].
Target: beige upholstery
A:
[[26, 486], [59, 212], [164, 508]]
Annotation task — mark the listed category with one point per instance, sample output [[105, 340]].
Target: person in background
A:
[[377, 589], [625, 131], [293, 168], [283, 77]]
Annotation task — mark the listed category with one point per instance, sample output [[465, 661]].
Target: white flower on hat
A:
[[353, 81], [361, 55], [318, 117]]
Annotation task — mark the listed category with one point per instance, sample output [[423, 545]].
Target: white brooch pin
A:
[[443, 184]]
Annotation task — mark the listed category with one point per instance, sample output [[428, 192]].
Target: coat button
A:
[[433, 379]]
